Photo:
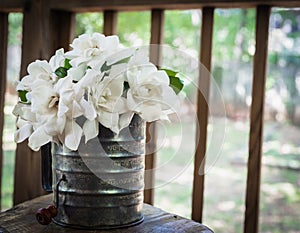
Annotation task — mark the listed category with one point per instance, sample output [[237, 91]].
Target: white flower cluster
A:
[[97, 81]]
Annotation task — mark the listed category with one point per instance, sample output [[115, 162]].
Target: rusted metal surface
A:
[[102, 185], [21, 219]]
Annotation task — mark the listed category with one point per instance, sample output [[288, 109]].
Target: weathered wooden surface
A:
[[257, 120], [202, 111], [21, 219], [110, 22], [3, 57], [96, 5], [164, 4], [157, 28]]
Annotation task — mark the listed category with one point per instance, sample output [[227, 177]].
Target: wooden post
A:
[[110, 22], [44, 31], [62, 30], [256, 120], [27, 168], [202, 112], [157, 25], [3, 57]]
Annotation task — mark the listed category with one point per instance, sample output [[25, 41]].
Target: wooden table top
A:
[[21, 218]]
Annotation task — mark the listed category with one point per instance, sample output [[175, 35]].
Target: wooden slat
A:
[[157, 25], [202, 112], [110, 22], [96, 5], [256, 120], [3, 57], [157, 30], [62, 30], [11, 5]]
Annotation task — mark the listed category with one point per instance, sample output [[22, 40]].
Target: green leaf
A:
[[67, 64], [61, 72], [176, 83], [22, 95], [170, 72]]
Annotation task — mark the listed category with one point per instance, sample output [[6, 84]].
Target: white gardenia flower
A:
[[150, 94], [56, 107], [37, 71], [92, 49], [106, 95], [96, 82]]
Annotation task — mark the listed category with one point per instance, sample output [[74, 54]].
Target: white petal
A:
[[132, 103], [125, 119], [120, 55], [62, 109], [90, 129], [78, 61], [58, 59], [23, 133], [89, 79], [117, 70], [109, 120], [162, 77], [38, 138], [54, 126], [169, 98], [76, 110], [115, 85], [140, 57], [38, 67], [28, 114], [20, 122], [73, 133], [40, 99], [17, 111], [76, 73], [88, 110], [26, 83], [151, 112]]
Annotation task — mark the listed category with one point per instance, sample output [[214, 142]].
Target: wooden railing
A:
[[44, 32]]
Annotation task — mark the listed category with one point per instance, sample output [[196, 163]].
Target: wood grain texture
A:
[[157, 27], [95, 5], [21, 219], [110, 22], [3, 61], [256, 120], [12, 5], [157, 35], [61, 30], [202, 112]]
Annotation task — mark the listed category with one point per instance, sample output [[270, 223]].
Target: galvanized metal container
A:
[[100, 186]]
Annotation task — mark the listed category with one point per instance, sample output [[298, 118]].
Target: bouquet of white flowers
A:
[[98, 81]]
